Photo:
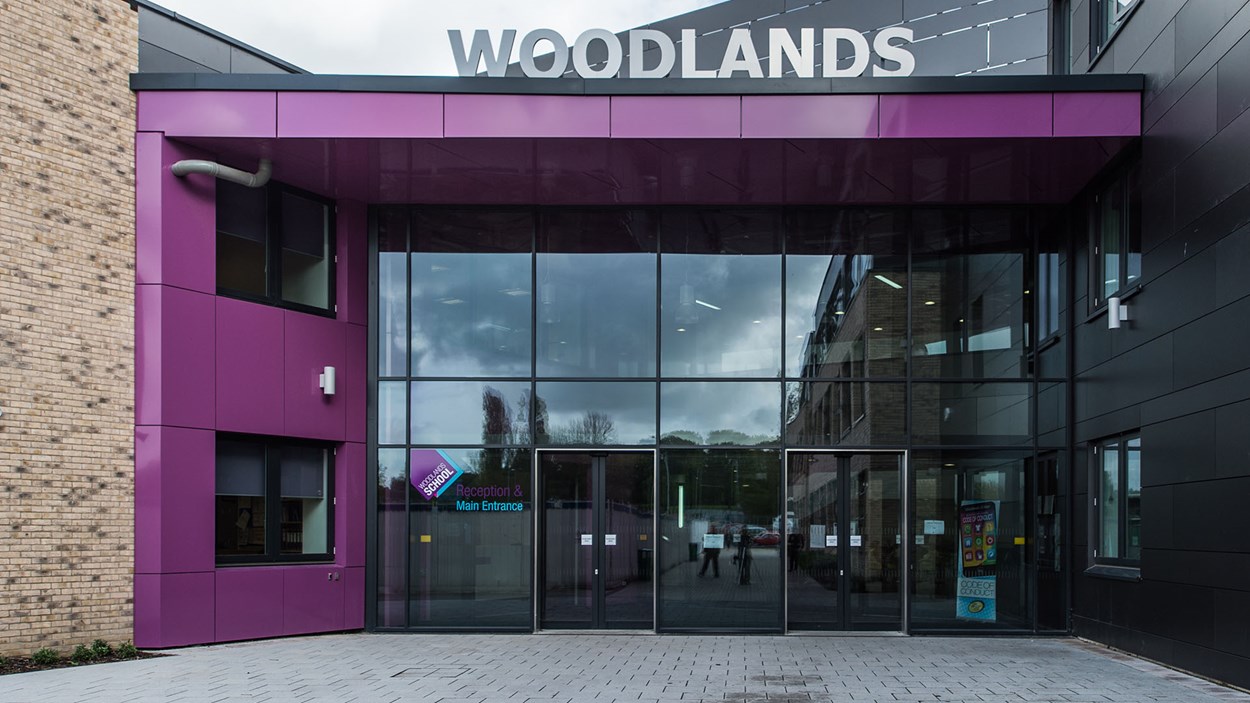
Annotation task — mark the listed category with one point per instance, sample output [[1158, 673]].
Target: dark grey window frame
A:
[[1101, 30], [1118, 566], [1125, 179], [274, 191], [273, 447]]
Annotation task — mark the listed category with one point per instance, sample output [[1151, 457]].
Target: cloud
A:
[[404, 37]]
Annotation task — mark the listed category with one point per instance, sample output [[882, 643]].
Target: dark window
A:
[[1105, 20], [275, 245], [274, 501], [1117, 500], [1115, 238]]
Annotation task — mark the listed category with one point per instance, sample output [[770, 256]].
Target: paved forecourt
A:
[[621, 667]]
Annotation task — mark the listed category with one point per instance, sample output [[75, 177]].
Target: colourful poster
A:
[[433, 472], [977, 590]]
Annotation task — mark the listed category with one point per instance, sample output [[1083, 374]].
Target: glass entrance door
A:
[[596, 540], [843, 541]]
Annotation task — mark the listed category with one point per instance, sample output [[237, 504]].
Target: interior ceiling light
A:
[[755, 322], [437, 267], [706, 305], [451, 301], [514, 291], [878, 329], [839, 312], [929, 302], [681, 329], [887, 281]]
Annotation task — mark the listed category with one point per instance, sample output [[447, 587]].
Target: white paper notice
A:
[[919, 539], [898, 539], [857, 540], [609, 540], [817, 536], [588, 540], [831, 541], [713, 541], [934, 527]]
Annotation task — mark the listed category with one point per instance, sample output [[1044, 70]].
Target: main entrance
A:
[[596, 539], [844, 543]]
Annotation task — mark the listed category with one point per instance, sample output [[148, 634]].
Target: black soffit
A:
[[1084, 83]]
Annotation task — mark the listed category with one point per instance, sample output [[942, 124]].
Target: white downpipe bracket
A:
[[225, 173]]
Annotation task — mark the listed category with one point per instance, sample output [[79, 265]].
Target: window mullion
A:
[[273, 502]]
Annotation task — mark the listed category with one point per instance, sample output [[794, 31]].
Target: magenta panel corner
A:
[[1097, 114], [249, 603], [677, 116], [360, 115], [173, 610], [349, 488], [312, 599], [526, 116], [353, 598], [174, 520], [352, 226], [174, 364], [809, 116], [218, 113], [354, 380], [175, 238], [250, 349], [977, 115], [313, 343]]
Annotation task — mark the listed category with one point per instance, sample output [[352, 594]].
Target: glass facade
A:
[[714, 419]]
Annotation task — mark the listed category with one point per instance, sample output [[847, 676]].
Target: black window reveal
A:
[[1117, 500], [1115, 238]]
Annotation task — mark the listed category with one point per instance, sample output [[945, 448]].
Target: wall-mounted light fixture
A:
[[1117, 313], [327, 380]]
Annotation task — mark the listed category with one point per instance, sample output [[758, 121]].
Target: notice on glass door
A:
[[857, 540], [816, 538], [609, 540], [588, 540]]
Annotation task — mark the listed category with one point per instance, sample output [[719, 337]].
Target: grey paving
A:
[[603, 668]]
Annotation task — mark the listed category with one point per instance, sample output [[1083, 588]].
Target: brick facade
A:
[[66, 322]]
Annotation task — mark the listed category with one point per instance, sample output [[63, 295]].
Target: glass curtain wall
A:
[[722, 338]]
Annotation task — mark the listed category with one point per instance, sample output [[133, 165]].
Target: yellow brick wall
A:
[[66, 322]]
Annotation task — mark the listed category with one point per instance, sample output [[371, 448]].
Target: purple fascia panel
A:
[[978, 115], [353, 598], [312, 599], [174, 520], [313, 343], [677, 116], [174, 364], [249, 603], [353, 382], [174, 218], [217, 113], [1097, 114], [250, 349], [352, 233], [360, 115], [526, 116], [809, 116], [349, 518], [173, 610]]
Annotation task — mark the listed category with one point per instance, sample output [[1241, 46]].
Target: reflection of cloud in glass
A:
[[391, 412], [469, 412], [805, 277], [575, 412], [470, 314], [720, 413]]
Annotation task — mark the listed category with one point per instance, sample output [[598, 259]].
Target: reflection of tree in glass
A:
[[593, 427]]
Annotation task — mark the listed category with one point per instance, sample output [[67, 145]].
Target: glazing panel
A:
[[873, 554], [240, 500], [596, 291], [1132, 502], [392, 327], [392, 412], [726, 413], [392, 536], [306, 255], [629, 540], [813, 548], [305, 510], [1109, 502], [971, 558], [572, 413], [720, 565], [970, 413], [470, 551], [833, 413], [470, 412], [569, 539]]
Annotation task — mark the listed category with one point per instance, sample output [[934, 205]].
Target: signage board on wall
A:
[[434, 473], [654, 54], [977, 589]]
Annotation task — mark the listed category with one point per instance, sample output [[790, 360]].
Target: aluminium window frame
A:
[[1125, 178], [273, 447], [1104, 25], [1098, 501]]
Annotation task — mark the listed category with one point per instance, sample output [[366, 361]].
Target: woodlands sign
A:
[[651, 46]]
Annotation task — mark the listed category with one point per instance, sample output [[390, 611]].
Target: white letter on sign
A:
[[689, 48], [906, 61], [859, 53], [781, 44], [559, 53], [638, 39], [496, 62], [582, 63], [740, 55]]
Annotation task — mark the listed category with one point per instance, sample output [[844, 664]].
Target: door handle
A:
[[596, 572]]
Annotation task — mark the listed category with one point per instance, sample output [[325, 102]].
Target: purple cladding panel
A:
[[1097, 114], [249, 602], [174, 360], [677, 116], [809, 116], [526, 116], [352, 234], [218, 113], [250, 363], [354, 380], [174, 479], [982, 115], [349, 489], [358, 115], [173, 610], [354, 598], [312, 599], [313, 343]]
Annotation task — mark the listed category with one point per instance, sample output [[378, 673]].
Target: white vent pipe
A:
[[234, 175]]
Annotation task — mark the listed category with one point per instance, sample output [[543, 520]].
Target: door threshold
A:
[[846, 633], [594, 632]]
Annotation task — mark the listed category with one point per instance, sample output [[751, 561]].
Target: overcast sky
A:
[[406, 37]]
